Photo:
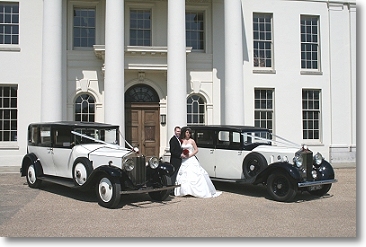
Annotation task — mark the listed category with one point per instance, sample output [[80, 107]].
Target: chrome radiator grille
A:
[[307, 158], [138, 175]]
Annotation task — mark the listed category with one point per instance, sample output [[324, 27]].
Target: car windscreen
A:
[[257, 138], [108, 135]]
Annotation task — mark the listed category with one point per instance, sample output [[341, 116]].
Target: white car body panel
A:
[[228, 164], [59, 161]]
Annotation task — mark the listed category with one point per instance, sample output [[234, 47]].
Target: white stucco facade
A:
[[50, 74]]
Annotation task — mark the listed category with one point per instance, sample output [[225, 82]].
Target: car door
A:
[[44, 151], [62, 149], [228, 155], [205, 143]]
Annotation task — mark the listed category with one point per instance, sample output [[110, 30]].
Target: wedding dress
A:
[[193, 179]]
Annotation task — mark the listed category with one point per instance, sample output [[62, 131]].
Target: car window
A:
[[45, 133], [62, 138], [204, 138], [33, 138], [228, 140]]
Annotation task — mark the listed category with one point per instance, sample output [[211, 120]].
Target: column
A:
[[51, 84], [176, 61], [114, 100], [234, 88]]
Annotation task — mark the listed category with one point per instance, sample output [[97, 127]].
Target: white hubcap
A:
[[80, 174], [105, 189], [31, 174]]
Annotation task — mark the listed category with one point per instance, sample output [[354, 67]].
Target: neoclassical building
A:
[[149, 65]]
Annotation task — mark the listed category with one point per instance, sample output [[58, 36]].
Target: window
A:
[[9, 23], [140, 27], [310, 42], [204, 138], [85, 108], [141, 93], [262, 40], [263, 108], [195, 110], [311, 114], [8, 113], [195, 30], [84, 27]]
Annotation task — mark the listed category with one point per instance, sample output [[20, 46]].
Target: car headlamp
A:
[[154, 162], [318, 159], [129, 165], [298, 160]]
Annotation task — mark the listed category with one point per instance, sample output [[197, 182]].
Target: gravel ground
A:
[[241, 211]]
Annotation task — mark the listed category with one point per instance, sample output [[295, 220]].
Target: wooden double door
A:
[[143, 127]]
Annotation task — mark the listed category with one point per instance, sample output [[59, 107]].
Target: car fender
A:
[[29, 159], [165, 168], [277, 166], [111, 171], [326, 170]]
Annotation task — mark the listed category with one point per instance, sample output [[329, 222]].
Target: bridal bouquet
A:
[[185, 151]]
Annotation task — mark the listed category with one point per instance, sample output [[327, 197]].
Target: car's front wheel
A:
[[324, 190], [108, 192], [163, 194], [32, 179], [253, 164], [281, 187], [81, 170]]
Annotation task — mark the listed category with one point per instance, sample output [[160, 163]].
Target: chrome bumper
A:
[[313, 183]]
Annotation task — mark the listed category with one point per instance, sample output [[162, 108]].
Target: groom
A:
[[175, 152]]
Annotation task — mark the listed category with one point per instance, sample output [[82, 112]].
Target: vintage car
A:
[[245, 154], [84, 156]]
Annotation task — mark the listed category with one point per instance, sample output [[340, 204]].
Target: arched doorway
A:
[[142, 119]]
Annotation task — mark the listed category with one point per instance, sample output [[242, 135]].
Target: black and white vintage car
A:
[[244, 154], [86, 155]]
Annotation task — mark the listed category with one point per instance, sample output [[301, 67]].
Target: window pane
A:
[[263, 112], [195, 30], [140, 27], [84, 27], [262, 40], [195, 110], [84, 108], [311, 114], [8, 113], [309, 42]]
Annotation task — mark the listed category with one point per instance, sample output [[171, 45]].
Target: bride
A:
[[193, 179]]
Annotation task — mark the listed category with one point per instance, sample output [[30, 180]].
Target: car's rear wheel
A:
[[81, 170], [163, 194], [281, 187], [253, 164], [32, 179], [325, 188], [108, 192]]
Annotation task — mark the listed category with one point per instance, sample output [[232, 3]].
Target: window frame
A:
[[259, 40], [11, 46], [140, 28], [265, 110], [198, 113], [319, 119], [206, 8], [143, 6], [203, 32], [10, 143], [99, 16], [306, 70], [81, 113]]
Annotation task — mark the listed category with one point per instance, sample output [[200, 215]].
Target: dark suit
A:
[[175, 155]]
